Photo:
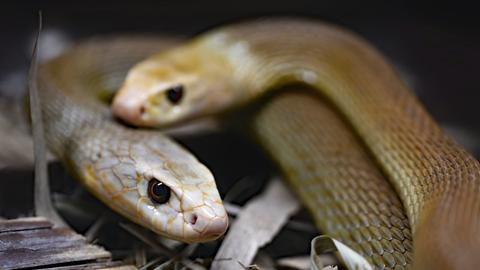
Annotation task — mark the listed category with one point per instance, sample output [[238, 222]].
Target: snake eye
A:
[[175, 94], [158, 191]]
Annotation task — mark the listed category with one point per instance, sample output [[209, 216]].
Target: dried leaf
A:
[[43, 202], [324, 244], [256, 225]]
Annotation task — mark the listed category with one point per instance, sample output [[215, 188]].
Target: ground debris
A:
[[36, 243], [256, 225]]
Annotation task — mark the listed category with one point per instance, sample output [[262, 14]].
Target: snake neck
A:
[[435, 179], [63, 117], [350, 73], [75, 87]]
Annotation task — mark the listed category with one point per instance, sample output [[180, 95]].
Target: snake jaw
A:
[[201, 223], [195, 212], [143, 99], [118, 171], [144, 94], [204, 216], [192, 214], [200, 213]]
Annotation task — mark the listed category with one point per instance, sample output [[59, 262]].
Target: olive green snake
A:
[[337, 153]]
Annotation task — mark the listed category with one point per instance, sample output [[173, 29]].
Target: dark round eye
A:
[[158, 191], [175, 94]]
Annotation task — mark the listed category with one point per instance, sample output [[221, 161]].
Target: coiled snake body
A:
[[436, 180]]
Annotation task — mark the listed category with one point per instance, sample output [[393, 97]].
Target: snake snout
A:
[[129, 110], [216, 228], [206, 224]]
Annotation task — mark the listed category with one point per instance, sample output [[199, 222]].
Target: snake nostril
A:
[[142, 110], [193, 219]]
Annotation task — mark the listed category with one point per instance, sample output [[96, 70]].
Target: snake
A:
[[141, 174], [435, 179]]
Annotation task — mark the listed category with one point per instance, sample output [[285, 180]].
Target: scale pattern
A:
[[116, 162], [437, 181], [335, 177]]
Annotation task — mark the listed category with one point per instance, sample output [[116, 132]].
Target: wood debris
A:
[[36, 243]]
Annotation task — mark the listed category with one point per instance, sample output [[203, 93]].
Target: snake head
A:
[[173, 86], [154, 182]]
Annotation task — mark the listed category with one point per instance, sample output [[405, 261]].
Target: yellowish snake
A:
[[141, 174], [437, 182]]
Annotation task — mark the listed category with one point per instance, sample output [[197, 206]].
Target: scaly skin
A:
[[114, 162], [437, 181], [335, 177]]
